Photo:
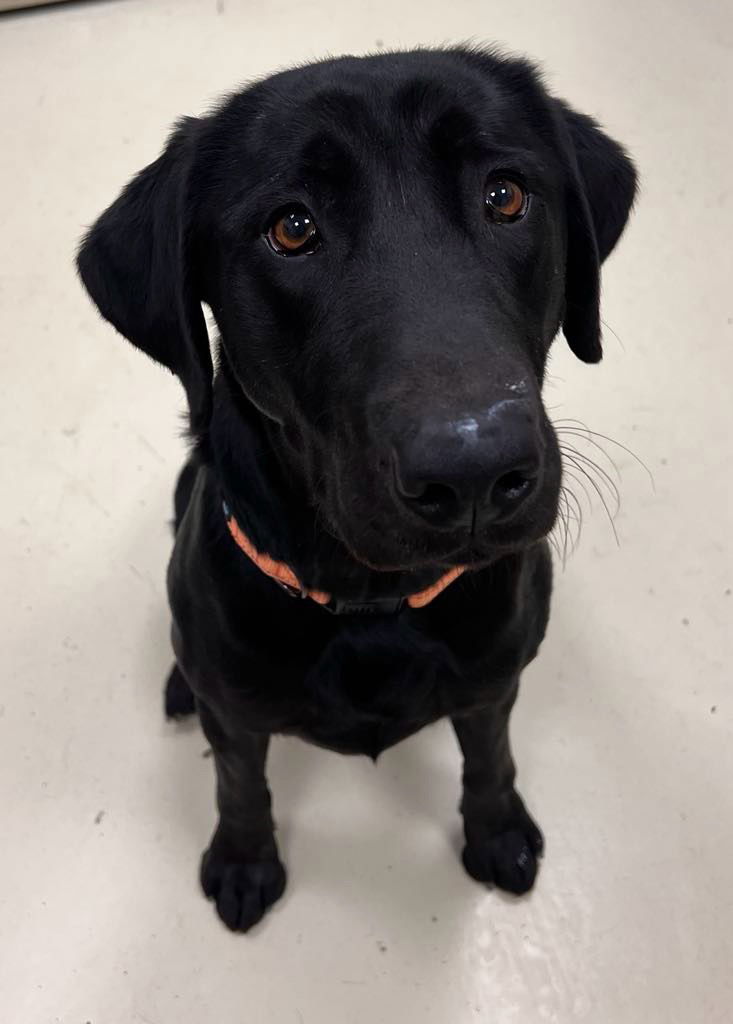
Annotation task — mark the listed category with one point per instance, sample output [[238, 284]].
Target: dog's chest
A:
[[371, 687]]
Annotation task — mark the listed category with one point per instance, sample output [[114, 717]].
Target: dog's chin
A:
[[391, 548]]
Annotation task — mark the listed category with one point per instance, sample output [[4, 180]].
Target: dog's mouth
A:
[[381, 549]]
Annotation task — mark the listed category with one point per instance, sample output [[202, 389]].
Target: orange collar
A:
[[285, 576]]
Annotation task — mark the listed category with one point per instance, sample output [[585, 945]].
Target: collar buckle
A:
[[379, 606], [289, 590]]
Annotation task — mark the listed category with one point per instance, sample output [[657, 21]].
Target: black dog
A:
[[389, 246]]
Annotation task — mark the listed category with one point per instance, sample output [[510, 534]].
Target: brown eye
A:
[[293, 232], [505, 199]]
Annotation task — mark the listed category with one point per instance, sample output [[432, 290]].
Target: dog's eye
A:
[[294, 232], [505, 200]]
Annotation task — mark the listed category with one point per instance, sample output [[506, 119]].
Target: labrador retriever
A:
[[388, 246]]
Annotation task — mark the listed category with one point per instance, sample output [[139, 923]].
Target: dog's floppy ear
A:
[[135, 262], [601, 191]]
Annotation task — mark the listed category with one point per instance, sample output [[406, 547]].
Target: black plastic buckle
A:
[[289, 590], [380, 606]]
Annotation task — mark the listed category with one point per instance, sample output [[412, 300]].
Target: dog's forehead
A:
[[387, 100]]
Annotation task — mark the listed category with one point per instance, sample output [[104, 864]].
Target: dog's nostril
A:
[[434, 496], [512, 487]]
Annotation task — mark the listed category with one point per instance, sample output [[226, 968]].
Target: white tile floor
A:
[[624, 733]]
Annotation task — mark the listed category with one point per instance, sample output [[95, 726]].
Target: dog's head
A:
[[389, 246]]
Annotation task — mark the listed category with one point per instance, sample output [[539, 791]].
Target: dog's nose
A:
[[474, 469]]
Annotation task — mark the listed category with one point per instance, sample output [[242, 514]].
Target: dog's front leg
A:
[[241, 869], [502, 841]]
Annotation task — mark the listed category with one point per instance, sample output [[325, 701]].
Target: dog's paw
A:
[[179, 700], [242, 891], [507, 859]]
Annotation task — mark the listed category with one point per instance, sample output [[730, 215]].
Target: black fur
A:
[[416, 310]]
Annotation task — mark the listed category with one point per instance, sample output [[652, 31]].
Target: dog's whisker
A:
[[562, 529], [587, 468], [578, 480], [578, 511], [567, 446], [573, 432], [577, 518], [554, 538], [600, 494], [574, 533], [570, 509], [616, 336], [603, 478], [587, 432], [569, 531], [570, 512], [566, 528], [570, 458]]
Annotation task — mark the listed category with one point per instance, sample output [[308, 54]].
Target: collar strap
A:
[[284, 575]]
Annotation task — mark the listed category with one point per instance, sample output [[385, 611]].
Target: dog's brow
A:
[[456, 133], [326, 155], [339, 109]]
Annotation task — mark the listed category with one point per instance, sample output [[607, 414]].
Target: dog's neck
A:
[[269, 500]]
